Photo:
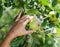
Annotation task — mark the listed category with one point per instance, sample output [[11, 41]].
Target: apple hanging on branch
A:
[[34, 24]]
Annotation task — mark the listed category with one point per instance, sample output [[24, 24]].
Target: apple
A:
[[34, 25]]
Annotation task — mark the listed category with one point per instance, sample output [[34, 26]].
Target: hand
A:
[[19, 27]]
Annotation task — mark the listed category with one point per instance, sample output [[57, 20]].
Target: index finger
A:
[[18, 16]]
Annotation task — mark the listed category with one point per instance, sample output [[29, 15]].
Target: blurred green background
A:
[[48, 30]]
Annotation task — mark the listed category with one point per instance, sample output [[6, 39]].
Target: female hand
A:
[[19, 27]]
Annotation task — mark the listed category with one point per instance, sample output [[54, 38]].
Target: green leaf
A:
[[18, 42], [18, 3], [54, 2], [58, 31], [45, 2], [32, 11], [1, 10], [57, 8]]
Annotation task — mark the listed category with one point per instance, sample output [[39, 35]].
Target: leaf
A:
[[45, 2], [0, 2], [44, 23], [58, 31], [54, 2], [32, 11], [58, 1], [57, 8], [18, 3], [29, 41], [1, 11], [18, 42]]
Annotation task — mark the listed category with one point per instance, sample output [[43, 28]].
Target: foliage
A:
[[48, 13]]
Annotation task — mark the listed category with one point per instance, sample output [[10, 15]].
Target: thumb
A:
[[30, 31]]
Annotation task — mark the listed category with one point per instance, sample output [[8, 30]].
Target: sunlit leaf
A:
[[45, 2]]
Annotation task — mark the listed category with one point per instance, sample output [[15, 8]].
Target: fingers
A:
[[18, 16], [27, 19], [24, 17]]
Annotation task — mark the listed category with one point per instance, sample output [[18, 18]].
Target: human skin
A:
[[18, 29]]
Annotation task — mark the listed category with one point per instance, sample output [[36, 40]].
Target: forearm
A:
[[7, 40]]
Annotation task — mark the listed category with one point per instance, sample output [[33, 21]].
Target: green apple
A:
[[33, 25], [52, 16]]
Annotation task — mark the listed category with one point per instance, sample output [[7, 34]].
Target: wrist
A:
[[6, 42]]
